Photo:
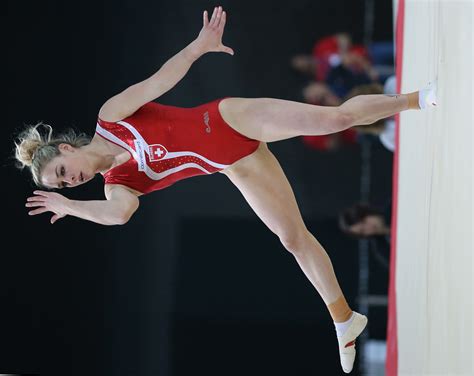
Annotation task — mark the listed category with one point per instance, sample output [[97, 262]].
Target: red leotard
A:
[[170, 143]]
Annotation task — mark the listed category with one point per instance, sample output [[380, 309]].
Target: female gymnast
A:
[[140, 146]]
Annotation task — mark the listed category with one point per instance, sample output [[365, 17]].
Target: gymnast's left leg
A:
[[268, 119], [262, 182]]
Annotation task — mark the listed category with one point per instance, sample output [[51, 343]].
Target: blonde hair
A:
[[34, 149]]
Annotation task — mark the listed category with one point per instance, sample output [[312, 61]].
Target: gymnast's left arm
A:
[[131, 99], [119, 207]]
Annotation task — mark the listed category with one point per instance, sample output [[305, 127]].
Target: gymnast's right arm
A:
[[131, 99], [116, 210]]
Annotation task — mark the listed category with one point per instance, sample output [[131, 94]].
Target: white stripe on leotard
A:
[[148, 171], [170, 155]]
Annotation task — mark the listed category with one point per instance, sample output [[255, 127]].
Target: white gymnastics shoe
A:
[[347, 341], [427, 95]]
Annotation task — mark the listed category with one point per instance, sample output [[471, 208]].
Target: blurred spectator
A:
[[327, 52], [364, 220], [340, 70], [348, 71], [343, 65]]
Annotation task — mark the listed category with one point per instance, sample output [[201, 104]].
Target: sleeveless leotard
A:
[[168, 144]]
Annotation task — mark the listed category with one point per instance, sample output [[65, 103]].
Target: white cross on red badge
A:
[[157, 152]]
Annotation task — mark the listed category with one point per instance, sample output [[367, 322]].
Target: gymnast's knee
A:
[[294, 240]]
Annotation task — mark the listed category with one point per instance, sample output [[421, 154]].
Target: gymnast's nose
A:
[[71, 179]]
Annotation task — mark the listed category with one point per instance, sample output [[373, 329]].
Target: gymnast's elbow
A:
[[124, 215]]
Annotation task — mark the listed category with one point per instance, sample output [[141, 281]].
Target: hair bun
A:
[[29, 141]]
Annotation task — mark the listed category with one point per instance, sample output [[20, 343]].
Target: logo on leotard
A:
[[206, 121], [156, 152], [139, 148]]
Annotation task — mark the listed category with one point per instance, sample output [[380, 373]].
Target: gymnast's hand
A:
[[210, 36], [48, 201]]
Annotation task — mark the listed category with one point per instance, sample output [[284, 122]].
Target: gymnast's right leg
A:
[[269, 119], [262, 182]]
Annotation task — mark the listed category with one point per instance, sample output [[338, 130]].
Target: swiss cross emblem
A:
[[157, 152]]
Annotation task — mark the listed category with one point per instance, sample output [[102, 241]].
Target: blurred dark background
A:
[[194, 283]]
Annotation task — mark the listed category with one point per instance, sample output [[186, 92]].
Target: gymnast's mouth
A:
[[81, 177]]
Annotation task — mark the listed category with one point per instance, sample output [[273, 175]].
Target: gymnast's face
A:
[[369, 226], [69, 169]]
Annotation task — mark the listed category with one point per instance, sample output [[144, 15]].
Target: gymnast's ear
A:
[[66, 148]]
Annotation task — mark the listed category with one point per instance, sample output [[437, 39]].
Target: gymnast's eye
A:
[[62, 172]]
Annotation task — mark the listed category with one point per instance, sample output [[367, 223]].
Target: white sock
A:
[[341, 327], [427, 96]]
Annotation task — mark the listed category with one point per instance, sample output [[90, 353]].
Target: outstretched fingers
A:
[[35, 198], [44, 202], [38, 201], [213, 17], [222, 20], [38, 211], [35, 203], [42, 193]]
